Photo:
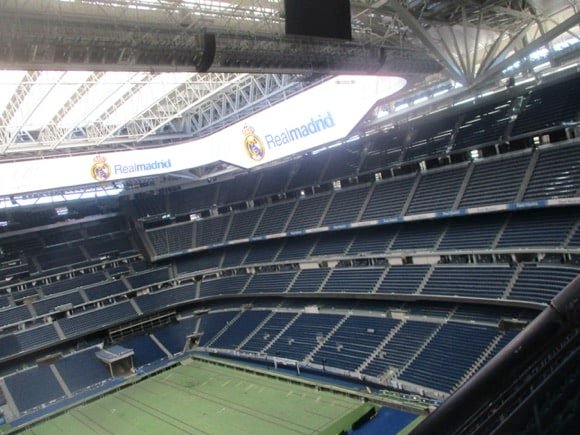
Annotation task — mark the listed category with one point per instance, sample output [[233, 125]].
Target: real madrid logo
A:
[[253, 144], [100, 171]]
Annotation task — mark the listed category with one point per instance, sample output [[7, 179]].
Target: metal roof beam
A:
[[52, 132], [26, 84], [497, 66], [410, 21], [168, 107]]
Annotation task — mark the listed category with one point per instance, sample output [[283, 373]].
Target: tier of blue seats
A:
[[332, 244], [211, 259], [244, 223], [34, 387], [388, 198], [73, 283], [448, 355], [309, 280], [437, 190], [47, 305], [541, 283], [359, 280], [477, 282], [105, 290], [548, 227], [226, 285], [153, 302], [268, 331], [484, 188], [401, 347], [173, 336], [308, 212], [403, 279], [82, 370], [472, 232], [65, 248], [346, 205], [33, 338], [417, 235], [274, 219], [419, 352], [484, 125], [145, 350], [549, 106], [430, 139], [296, 248], [556, 174], [303, 334], [553, 177], [378, 156], [212, 323], [353, 342], [94, 320], [264, 252], [276, 282], [148, 278], [212, 230], [240, 329], [176, 238]]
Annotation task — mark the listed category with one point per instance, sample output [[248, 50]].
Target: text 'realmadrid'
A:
[[142, 167], [315, 125]]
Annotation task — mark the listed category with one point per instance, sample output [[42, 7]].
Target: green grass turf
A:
[[206, 398]]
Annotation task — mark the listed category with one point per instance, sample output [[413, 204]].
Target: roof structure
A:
[[122, 74]]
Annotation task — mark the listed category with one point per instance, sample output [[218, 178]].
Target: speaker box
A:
[[319, 18]]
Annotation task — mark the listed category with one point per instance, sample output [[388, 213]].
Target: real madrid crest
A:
[[100, 171], [253, 144]]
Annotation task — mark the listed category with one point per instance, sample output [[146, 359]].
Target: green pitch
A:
[[203, 398]]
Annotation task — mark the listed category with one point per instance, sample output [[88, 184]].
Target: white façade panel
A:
[[323, 114]]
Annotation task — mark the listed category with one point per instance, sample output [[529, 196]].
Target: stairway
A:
[[322, 342], [512, 281], [380, 347], [290, 323], [423, 346], [255, 331], [225, 328]]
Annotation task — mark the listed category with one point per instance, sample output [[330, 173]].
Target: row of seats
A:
[[496, 181], [56, 296], [529, 229], [533, 283], [430, 354], [66, 247], [530, 282], [370, 344]]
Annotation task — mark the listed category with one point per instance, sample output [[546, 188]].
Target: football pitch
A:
[[204, 398]]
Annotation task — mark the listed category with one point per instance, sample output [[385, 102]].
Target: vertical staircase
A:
[[463, 187], [423, 346], [366, 202], [411, 195], [425, 280], [527, 176], [380, 347], [282, 331], [328, 336], [255, 331], [225, 328], [500, 232], [512, 281]]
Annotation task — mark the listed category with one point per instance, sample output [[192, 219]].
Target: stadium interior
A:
[[400, 259]]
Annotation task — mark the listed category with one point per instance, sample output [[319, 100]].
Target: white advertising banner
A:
[[322, 114]]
